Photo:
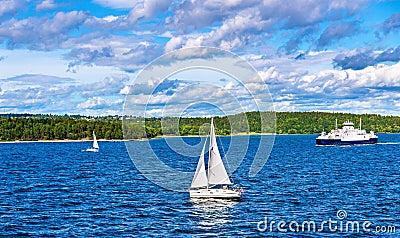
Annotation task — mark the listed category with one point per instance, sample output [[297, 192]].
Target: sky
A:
[[80, 57]]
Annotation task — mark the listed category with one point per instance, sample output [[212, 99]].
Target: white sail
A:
[[95, 144], [216, 169], [200, 177]]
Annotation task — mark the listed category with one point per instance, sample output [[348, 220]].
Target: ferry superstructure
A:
[[347, 135]]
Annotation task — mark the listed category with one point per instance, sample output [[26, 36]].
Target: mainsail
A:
[[216, 170], [95, 144]]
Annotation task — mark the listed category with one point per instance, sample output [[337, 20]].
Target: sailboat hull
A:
[[92, 150], [215, 193]]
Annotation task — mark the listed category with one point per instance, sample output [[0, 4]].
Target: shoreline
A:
[[157, 137], [62, 141], [125, 140]]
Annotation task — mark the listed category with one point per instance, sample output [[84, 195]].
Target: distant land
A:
[[32, 127]]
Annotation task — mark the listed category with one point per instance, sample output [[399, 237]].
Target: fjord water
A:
[[54, 189]]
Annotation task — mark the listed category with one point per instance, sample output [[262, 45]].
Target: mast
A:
[[336, 123], [360, 123]]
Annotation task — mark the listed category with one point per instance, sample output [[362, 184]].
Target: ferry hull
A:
[[341, 142]]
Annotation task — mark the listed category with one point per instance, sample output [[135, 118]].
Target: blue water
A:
[[54, 189]]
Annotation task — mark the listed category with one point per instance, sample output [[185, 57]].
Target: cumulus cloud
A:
[[100, 103], [9, 8], [194, 97], [46, 5], [154, 87], [234, 33], [126, 53], [117, 4], [88, 56], [109, 86], [38, 93], [45, 93], [334, 90], [304, 34], [174, 43], [41, 33], [392, 23], [204, 13], [364, 57], [147, 8], [235, 24], [182, 101], [38, 79], [140, 11], [336, 32]]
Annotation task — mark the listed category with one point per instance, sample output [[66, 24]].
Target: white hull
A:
[[215, 193], [348, 135], [92, 150]]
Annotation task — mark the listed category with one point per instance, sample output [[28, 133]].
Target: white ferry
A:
[[347, 136]]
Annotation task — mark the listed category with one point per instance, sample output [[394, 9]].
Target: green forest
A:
[[32, 127], [57, 128]]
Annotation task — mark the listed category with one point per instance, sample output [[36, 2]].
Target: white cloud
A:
[[41, 33], [10, 7], [234, 33], [358, 91], [100, 103], [117, 4], [50, 94], [109, 86], [46, 5], [124, 90], [147, 9], [110, 18], [174, 43], [124, 52]]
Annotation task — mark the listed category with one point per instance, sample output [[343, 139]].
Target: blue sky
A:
[[79, 57]]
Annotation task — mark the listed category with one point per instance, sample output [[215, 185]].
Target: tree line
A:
[[55, 127], [58, 128]]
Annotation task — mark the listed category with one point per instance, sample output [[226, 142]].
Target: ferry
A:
[[347, 136]]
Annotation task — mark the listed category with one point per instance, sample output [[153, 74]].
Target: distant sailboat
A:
[[95, 147], [203, 183]]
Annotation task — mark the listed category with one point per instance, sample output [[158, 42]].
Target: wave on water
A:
[[388, 143]]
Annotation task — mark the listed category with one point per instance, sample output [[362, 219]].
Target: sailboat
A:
[[215, 183], [95, 146]]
